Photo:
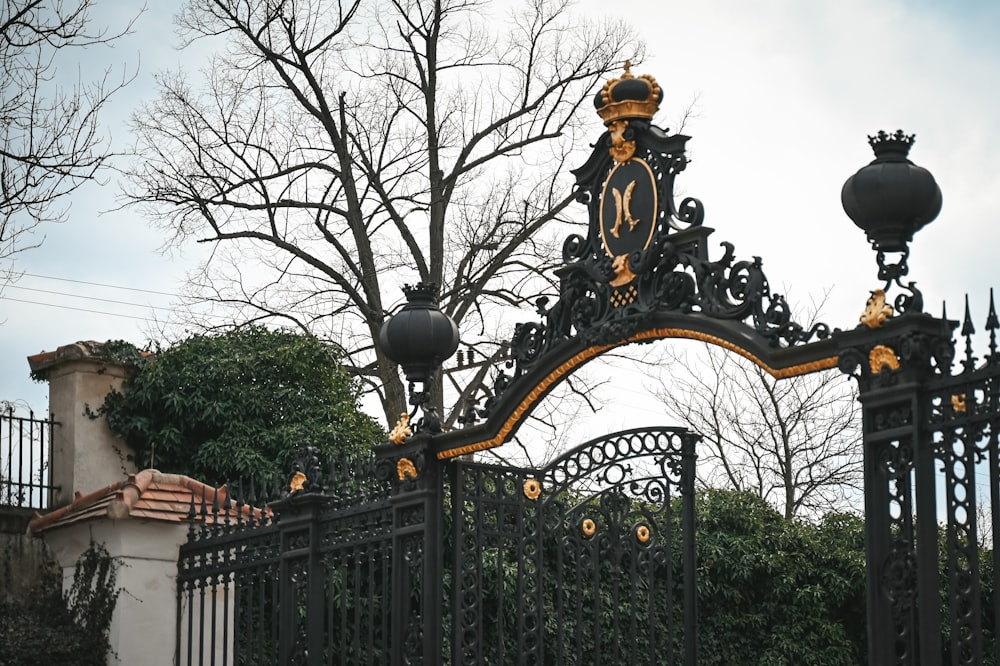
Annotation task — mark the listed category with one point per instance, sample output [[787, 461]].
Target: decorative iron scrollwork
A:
[[644, 255]]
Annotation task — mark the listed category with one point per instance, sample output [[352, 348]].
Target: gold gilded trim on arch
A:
[[782, 373], [529, 401], [590, 352]]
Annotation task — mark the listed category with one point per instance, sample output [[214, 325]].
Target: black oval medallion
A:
[[628, 208]]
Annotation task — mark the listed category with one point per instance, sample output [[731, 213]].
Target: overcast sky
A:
[[787, 91]]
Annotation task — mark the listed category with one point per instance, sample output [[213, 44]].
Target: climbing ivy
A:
[[43, 626]]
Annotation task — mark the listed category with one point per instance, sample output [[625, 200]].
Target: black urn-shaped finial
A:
[[419, 337], [891, 198]]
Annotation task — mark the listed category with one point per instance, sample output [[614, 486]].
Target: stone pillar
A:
[[85, 454], [145, 618]]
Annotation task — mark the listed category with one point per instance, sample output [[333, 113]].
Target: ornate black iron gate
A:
[[589, 560]]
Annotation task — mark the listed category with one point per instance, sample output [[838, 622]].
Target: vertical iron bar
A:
[[689, 525], [994, 463], [927, 607], [178, 625], [190, 640]]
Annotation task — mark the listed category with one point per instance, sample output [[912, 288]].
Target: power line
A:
[[100, 284], [69, 307], [89, 298]]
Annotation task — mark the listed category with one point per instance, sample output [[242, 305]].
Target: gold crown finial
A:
[[628, 96]]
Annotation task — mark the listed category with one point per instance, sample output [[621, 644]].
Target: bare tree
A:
[[50, 139], [335, 150], [795, 442]]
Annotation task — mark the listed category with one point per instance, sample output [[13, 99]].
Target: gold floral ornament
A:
[[405, 469], [589, 527], [876, 310], [958, 402], [297, 484], [532, 489], [642, 533], [620, 150], [401, 430], [881, 357]]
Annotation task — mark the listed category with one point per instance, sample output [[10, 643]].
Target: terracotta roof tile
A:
[[150, 495], [41, 363]]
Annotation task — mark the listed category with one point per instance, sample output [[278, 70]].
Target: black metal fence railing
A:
[[25, 460], [308, 576], [593, 554]]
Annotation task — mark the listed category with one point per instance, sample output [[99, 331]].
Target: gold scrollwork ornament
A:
[[876, 310], [402, 430], [881, 357], [298, 482], [620, 150], [405, 469]]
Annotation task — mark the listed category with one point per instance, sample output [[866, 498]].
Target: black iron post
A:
[[420, 338], [417, 603], [894, 358], [893, 365], [301, 596]]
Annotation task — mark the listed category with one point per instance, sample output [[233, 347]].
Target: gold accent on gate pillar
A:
[[882, 357], [876, 310]]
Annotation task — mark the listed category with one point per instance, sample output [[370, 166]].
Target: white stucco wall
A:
[[143, 627]]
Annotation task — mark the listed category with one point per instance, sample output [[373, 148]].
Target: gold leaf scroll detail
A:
[[297, 483], [405, 469], [882, 357], [623, 209], [876, 310], [620, 150], [401, 430], [958, 402], [623, 274]]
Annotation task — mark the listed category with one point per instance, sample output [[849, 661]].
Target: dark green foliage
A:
[[773, 591], [45, 627], [236, 405]]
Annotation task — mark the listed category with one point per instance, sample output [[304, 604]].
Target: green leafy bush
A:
[[773, 591], [221, 407]]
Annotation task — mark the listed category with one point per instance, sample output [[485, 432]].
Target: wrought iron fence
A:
[[305, 581], [593, 553], [25, 460]]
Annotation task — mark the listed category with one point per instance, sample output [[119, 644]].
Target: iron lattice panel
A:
[[586, 561], [261, 592], [963, 434]]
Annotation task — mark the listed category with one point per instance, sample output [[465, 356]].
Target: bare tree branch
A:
[[50, 139], [342, 149], [794, 442]]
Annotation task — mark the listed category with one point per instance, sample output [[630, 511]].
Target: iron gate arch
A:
[[925, 427]]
